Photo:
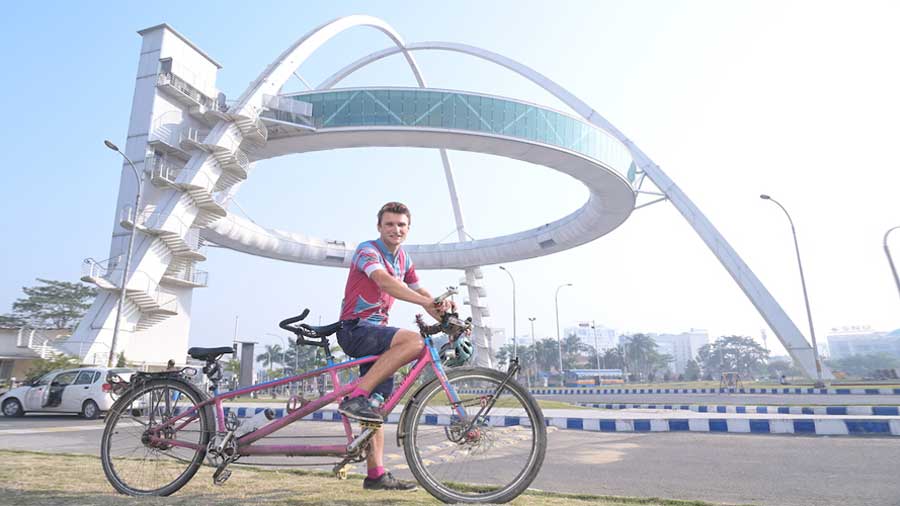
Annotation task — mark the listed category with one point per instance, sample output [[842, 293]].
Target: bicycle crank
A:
[[362, 440], [222, 474]]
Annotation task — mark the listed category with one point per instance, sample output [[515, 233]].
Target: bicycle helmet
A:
[[457, 353]]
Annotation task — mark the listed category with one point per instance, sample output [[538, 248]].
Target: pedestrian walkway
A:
[[783, 390], [781, 410], [651, 420]]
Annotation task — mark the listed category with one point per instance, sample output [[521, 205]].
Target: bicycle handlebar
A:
[[284, 323], [451, 290]]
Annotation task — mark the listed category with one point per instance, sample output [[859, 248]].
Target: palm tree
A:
[[574, 350], [271, 356]]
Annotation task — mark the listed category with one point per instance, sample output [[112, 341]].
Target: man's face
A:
[[393, 229]]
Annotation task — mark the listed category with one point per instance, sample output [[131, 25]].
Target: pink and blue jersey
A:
[[363, 298]]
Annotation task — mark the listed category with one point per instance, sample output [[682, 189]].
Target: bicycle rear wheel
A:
[[495, 460], [141, 459]]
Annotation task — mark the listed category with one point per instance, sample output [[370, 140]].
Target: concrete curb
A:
[[780, 391], [830, 426], [780, 410]]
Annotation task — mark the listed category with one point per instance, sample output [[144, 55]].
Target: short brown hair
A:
[[396, 208]]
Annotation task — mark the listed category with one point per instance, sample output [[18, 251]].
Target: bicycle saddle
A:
[[209, 353]]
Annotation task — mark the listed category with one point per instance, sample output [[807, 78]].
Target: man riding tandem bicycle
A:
[[469, 434]]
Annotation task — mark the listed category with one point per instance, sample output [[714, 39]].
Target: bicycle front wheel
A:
[[144, 455], [486, 458]]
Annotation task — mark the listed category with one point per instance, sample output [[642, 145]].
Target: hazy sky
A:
[[732, 99]]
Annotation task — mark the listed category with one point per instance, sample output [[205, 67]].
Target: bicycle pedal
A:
[[221, 476]]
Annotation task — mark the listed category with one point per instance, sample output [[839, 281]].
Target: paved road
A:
[[740, 399], [737, 469]]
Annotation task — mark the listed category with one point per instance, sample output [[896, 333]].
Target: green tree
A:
[[120, 360], [233, 366], [777, 368], [42, 366], [740, 354], [271, 356], [546, 354], [302, 358], [692, 370], [503, 355], [574, 352], [641, 358], [51, 305], [612, 358], [865, 365]]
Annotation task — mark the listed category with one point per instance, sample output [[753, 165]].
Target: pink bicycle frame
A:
[[245, 443]]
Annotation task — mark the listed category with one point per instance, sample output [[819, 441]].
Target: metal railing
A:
[[100, 268], [167, 128], [193, 276], [193, 134], [158, 167], [288, 105], [252, 110], [172, 80]]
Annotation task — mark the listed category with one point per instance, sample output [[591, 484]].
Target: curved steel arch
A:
[[277, 74], [777, 319]]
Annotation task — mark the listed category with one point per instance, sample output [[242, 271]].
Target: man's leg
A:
[[405, 346], [375, 458]]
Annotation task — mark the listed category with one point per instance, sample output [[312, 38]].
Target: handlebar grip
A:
[[284, 323], [451, 290]]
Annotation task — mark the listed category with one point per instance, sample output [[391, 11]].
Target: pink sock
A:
[[375, 472], [359, 392]]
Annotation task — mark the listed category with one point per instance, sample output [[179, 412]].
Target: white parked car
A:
[[85, 391]]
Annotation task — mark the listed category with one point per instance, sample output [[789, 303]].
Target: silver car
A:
[[85, 391]]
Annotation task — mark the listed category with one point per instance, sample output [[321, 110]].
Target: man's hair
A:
[[396, 208]]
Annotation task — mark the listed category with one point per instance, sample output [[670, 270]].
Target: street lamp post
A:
[[533, 343], [134, 225], [596, 344], [515, 337], [558, 338], [887, 252], [812, 332]]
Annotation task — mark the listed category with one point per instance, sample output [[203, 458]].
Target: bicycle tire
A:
[[126, 407], [432, 396]]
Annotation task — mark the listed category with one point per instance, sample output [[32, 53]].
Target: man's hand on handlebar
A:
[[436, 310], [441, 304]]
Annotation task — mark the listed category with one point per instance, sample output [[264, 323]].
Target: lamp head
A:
[[501, 267], [765, 197], [110, 145]]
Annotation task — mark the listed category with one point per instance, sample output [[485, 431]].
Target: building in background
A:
[[595, 336], [20, 348], [862, 340], [682, 347]]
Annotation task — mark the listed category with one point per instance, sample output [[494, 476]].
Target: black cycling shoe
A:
[[358, 408], [387, 482]]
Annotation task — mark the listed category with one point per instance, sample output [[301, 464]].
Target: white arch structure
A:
[[603, 170]]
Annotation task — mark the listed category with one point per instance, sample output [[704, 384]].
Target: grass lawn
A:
[[39, 479]]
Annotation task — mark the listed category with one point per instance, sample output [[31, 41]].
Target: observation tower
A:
[[196, 149]]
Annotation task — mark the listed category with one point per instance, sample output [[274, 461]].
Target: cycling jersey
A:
[[363, 298]]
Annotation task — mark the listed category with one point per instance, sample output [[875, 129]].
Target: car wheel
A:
[[90, 410], [12, 407]]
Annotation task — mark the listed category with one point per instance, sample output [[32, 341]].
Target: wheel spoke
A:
[[485, 457], [136, 458]]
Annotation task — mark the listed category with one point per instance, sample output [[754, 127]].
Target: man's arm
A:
[[399, 290]]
